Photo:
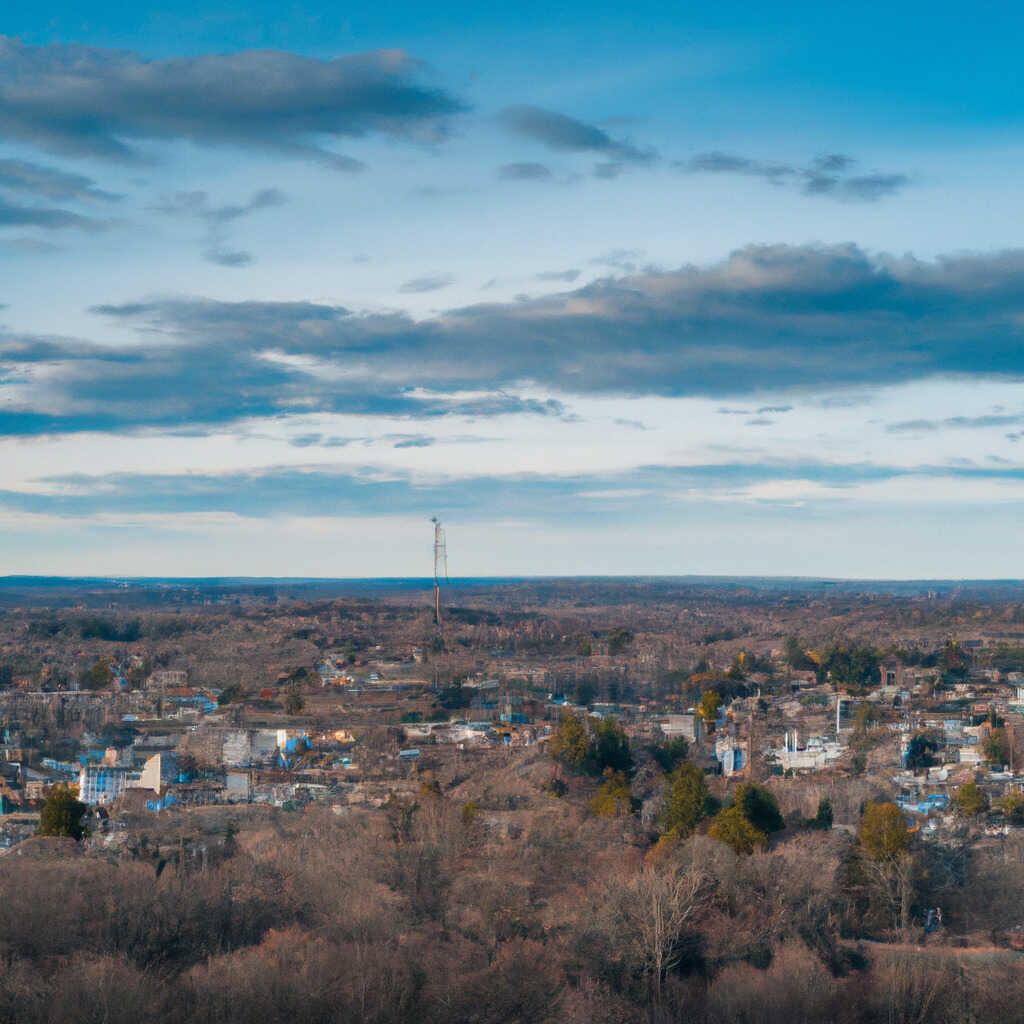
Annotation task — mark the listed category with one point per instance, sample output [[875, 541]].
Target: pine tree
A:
[[62, 814]]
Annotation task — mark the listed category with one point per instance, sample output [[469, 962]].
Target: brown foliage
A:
[[319, 918]]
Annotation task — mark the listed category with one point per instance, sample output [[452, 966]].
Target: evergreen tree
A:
[[734, 828], [686, 802], [759, 806], [62, 814], [823, 819], [608, 749]]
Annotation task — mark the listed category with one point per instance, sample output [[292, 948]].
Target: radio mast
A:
[[440, 564]]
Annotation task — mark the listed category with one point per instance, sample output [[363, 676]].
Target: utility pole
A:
[[440, 559]]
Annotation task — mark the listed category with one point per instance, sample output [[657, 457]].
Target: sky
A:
[[649, 289]]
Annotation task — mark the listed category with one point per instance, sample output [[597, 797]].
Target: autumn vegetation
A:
[[498, 898], [590, 878]]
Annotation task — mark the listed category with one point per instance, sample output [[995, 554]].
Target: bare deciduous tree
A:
[[650, 910]]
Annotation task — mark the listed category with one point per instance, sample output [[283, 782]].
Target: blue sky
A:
[[730, 288]]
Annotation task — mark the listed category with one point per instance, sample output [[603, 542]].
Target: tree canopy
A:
[[883, 832], [608, 749], [613, 797], [797, 656], [98, 676], [62, 814], [618, 640], [920, 750], [669, 753], [759, 806], [954, 661], [854, 666], [569, 742], [971, 800], [686, 801], [733, 827], [1012, 805], [708, 707]]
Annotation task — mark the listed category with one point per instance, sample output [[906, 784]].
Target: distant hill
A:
[[62, 591]]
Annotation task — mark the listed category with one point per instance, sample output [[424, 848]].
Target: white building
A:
[[100, 784], [817, 754], [687, 726], [243, 747], [157, 773], [732, 754]]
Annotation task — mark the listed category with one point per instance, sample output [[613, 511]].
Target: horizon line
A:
[[568, 577]]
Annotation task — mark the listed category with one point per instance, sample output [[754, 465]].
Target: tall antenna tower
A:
[[440, 564]]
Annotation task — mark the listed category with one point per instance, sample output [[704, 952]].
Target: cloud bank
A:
[[566, 134], [767, 320], [86, 101], [828, 175], [51, 182], [319, 489]]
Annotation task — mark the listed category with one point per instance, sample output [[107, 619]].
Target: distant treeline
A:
[[115, 629]]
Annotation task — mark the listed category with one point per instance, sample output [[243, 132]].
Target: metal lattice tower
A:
[[440, 565]]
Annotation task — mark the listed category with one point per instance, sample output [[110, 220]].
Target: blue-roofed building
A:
[[100, 784]]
